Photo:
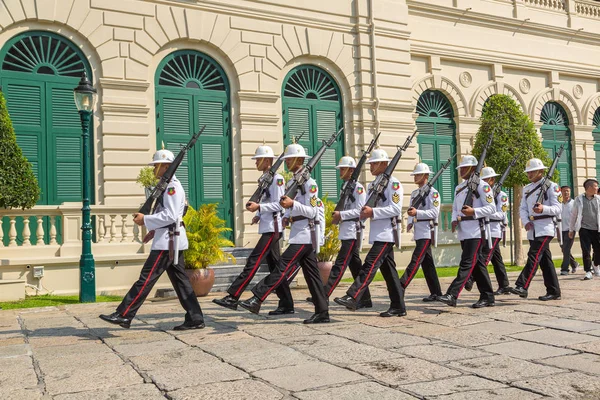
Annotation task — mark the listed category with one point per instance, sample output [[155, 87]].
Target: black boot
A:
[[347, 301], [187, 325], [117, 319], [365, 304], [393, 312], [483, 303], [282, 311], [549, 297], [252, 304], [447, 299], [309, 300], [430, 298], [503, 290], [318, 318], [521, 292], [228, 302]]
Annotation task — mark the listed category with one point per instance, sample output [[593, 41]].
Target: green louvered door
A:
[[555, 131], [312, 104], [437, 139], [192, 92], [39, 72]]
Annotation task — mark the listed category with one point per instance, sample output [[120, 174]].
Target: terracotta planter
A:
[[324, 270], [202, 280]]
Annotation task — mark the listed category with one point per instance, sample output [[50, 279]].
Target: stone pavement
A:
[[521, 349]]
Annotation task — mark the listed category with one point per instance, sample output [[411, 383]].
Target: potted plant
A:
[[205, 237], [147, 180], [332, 244]]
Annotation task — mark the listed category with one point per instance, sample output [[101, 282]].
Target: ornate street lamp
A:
[[85, 99]]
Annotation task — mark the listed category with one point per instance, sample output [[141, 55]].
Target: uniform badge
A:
[[360, 190], [557, 189], [436, 203], [279, 182], [489, 199], [435, 195], [560, 198], [313, 189], [486, 188], [313, 201], [319, 203], [504, 199], [171, 191], [504, 208], [396, 198], [396, 186]]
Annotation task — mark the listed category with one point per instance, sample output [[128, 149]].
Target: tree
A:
[[18, 185], [514, 135]]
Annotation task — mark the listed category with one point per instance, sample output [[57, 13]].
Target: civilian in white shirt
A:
[[568, 259]]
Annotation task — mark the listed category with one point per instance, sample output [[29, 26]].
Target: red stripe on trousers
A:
[[370, 270], [145, 283], [251, 275], [492, 251], [283, 274], [537, 260], [417, 264], [472, 266], [343, 269]]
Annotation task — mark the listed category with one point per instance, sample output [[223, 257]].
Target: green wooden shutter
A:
[[555, 132], [299, 122], [326, 126]]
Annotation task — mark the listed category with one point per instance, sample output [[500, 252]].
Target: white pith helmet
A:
[[421, 168], [534, 164], [378, 155], [263, 151], [467, 161], [294, 150], [488, 172], [161, 157], [346, 162]]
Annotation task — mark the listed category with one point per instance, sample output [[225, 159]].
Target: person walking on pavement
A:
[[496, 221], [421, 220], [349, 234], [382, 237], [539, 223], [470, 223], [302, 213], [567, 207], [268, 216], [163, 223], [585, 218]]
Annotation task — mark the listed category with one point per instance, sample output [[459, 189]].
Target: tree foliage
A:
[[18, 185], [514, 135], [332, 244]]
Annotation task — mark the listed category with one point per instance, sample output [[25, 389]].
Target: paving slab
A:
[[400, 371], [571, 325], [503, 368], [526, 350], [589, 363], [588, 347], [567, 386], [17, 373], [492, 394], [553, 337], [15, 350], [357, 391], [90, 379], [135, 392], [501, 327], [314, 374], [444, 387], [441, 352], [245, 389], [21, 394]]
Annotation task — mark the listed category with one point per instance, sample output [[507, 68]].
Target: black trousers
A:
[[266, 248], [539, 254], [495, 256], [153, 268], [348, 256], [589, 239], [422, 257], [295, 254], [472, 264], [381, 256], [566, 250]]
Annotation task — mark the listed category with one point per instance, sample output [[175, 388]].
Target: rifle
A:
[[381, 182], [266, 179], [350, 184], [498, 188], [423, 193], [473, 187], [545, 185]]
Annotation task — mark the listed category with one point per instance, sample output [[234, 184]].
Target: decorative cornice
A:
[[262, 97], [259, 119], [134, 86], [121, 109]]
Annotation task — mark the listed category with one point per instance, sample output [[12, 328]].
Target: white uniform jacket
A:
[[381, 229], [483, 205], [305, 205], [426, 214], [173, 203], [351, 212], [499, 217], [269, 205], [552, 208]]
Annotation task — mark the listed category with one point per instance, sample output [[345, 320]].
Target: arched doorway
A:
[[555, 131], [192, 90], [437, 139], [38, 73], [312, 103]]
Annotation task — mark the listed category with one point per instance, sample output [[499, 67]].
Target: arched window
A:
[[555, 131], [192, 90], [312, 103], [437, 139]]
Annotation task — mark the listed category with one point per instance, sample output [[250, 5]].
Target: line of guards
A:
[[478, 217]]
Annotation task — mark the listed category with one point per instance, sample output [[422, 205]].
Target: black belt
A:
[[536, 218], [351, 220], [472, 218], [296, 219], [496, 220], [424, 220]]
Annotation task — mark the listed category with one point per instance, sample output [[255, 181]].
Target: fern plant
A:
[[205, 236], [332, 244]]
